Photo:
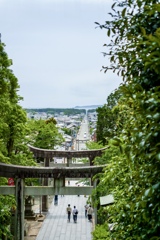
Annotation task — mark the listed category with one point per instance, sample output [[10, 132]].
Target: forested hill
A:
[[88, 107], [66, 111]]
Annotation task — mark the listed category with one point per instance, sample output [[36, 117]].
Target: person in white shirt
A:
[[75, 213], [86, 208], [90, 212]]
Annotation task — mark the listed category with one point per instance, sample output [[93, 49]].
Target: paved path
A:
[[56, 227]]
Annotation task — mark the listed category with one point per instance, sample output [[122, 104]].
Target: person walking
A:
[[90, 212], [56, 200], [78, 194], [69, 210], [75, 213], [86, 208]]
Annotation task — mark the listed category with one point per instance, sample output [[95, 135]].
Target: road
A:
[[83, 135]]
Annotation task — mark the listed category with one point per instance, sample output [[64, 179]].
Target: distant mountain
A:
[[88, 107]]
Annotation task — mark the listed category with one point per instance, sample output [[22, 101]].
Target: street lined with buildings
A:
[[56, 226]]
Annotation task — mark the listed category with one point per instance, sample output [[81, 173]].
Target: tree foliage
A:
[[107, 118], [44, 134], [13, 141], [65, 111], [13, 117], [133, 176]]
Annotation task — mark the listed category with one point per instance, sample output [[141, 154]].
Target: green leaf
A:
[[158, 156], [148, 192], [124, 12], [109, 32]]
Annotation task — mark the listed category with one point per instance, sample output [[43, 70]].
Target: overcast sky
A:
[[57, 51]]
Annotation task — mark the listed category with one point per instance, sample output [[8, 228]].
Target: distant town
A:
[[68, 121]]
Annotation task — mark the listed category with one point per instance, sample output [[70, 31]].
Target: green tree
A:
[[67, 131], [134, 175], [13, 117], [44, 134], [13, 148], [107, 118]]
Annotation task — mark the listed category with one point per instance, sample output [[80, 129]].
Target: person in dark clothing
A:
[[78, 194], [56, 200]]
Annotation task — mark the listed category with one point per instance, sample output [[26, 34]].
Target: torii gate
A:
[[48, 154], [19, 173]]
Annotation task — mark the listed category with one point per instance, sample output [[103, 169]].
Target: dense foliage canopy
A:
[[133, 174], [107, 118], [16, 133], [13, 141], [44, 134]]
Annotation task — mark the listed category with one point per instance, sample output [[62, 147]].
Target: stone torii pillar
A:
[[69, 161], [45, 183], [91, 158], [19, 214]]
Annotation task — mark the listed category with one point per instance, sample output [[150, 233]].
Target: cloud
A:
[[56, 51]]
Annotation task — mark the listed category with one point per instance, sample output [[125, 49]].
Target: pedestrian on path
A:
[[86, 208], [90, 212], [78, 194], [75, 213], [69, 210], [56, 200]]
